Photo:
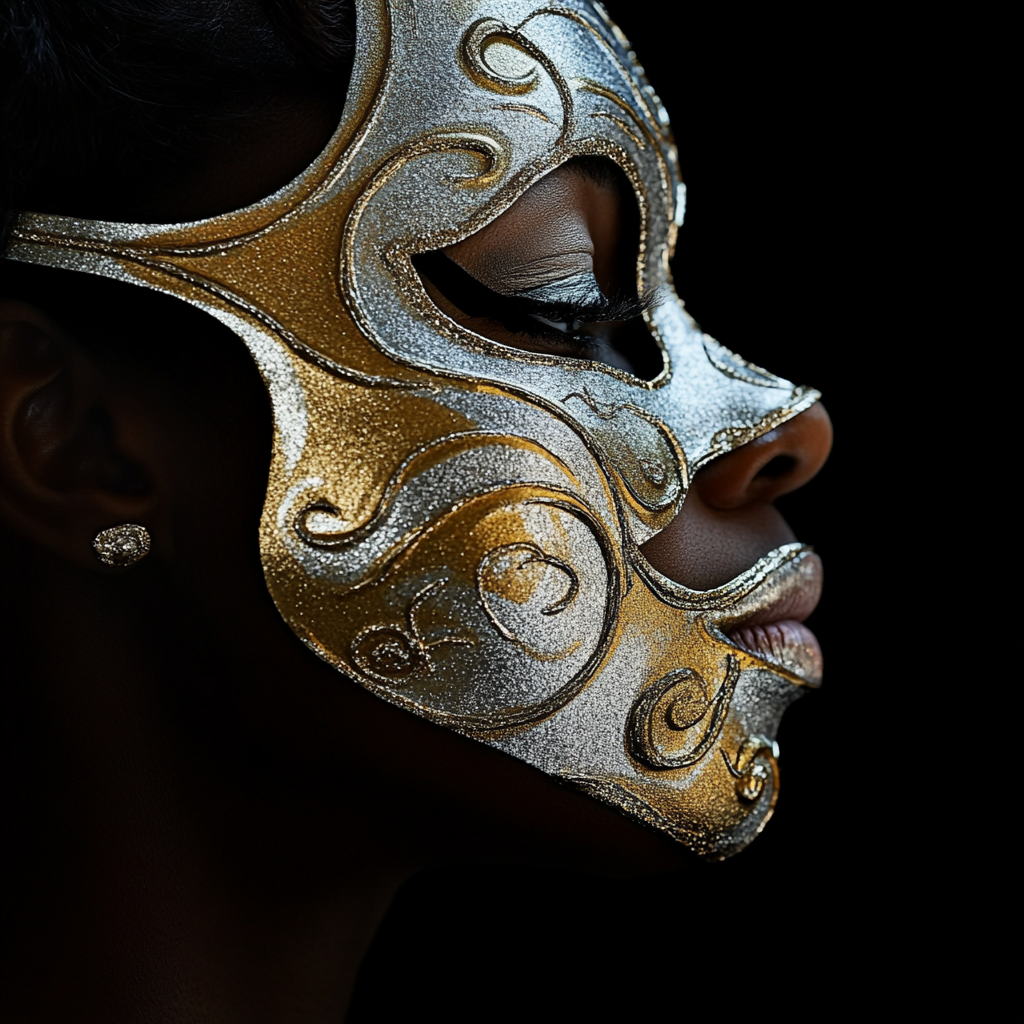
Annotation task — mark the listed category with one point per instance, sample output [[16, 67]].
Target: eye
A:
[[517, 321], [579, 326]]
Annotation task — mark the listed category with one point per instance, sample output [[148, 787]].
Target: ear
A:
[[72, 462]]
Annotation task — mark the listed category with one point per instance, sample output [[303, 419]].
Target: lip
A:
[[774, 629]]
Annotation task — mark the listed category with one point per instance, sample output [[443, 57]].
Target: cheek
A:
[[704, 547], [216, 433]]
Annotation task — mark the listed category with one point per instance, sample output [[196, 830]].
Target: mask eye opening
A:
[[577, 327]]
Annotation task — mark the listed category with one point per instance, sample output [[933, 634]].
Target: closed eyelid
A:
[[477, 298], [507, 274], [574, 299], [533, 322]]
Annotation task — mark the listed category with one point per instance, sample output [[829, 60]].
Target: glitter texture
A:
[[122, 545]]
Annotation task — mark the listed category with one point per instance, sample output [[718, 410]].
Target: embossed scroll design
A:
[[654, 122], [518, 558], [535, 599], [433, 453], [670, 708], [600, 638], [755, 763], [532, 555], [663, 466], [487, 32], [397, 654]]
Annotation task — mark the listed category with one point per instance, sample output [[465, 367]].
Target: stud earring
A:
[[122, 545]]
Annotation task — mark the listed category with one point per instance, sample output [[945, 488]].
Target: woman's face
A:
[[476, 503]]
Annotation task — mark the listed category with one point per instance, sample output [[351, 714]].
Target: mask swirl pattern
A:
[[453, 523]]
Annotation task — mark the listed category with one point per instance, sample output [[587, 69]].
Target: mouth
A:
[[774, 630]]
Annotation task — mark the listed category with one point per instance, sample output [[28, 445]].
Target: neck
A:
[[163, 871]]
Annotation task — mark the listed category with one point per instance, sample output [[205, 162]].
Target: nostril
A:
[[781, 465]]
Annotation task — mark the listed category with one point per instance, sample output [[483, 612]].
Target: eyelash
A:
[[541, 320], [575, 315]]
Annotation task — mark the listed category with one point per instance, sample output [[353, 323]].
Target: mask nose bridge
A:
[[714, 401]]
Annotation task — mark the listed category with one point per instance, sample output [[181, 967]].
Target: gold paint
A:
[[525, 108], [622, 125], [482, 35]]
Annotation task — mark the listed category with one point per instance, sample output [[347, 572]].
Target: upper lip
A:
[[798, 590], [800, 594], [787, 595]]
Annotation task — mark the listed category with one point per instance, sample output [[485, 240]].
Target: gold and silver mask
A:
[[455, 524]]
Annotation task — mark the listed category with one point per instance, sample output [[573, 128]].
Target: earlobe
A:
[[64, 477]]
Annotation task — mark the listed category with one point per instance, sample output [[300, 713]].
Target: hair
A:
[[104, 101]]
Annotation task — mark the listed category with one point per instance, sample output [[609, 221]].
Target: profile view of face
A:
[[514, 490], [369, 499]]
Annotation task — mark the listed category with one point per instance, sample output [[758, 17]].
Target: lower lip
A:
[[787, 644]]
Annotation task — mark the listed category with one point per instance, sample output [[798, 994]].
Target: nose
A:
[[775, 464], [728, 520]]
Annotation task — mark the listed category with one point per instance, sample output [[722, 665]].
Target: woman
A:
[[488, 409]]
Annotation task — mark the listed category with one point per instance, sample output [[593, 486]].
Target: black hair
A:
[[102, 98]]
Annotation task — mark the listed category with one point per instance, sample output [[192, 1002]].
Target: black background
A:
[[822, 151]]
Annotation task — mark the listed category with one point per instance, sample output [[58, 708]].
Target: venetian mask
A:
[[455, 524]]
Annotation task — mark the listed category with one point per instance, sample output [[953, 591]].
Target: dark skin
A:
[[214, 821]]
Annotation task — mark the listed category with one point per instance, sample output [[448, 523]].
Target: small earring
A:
[[122, 545]]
